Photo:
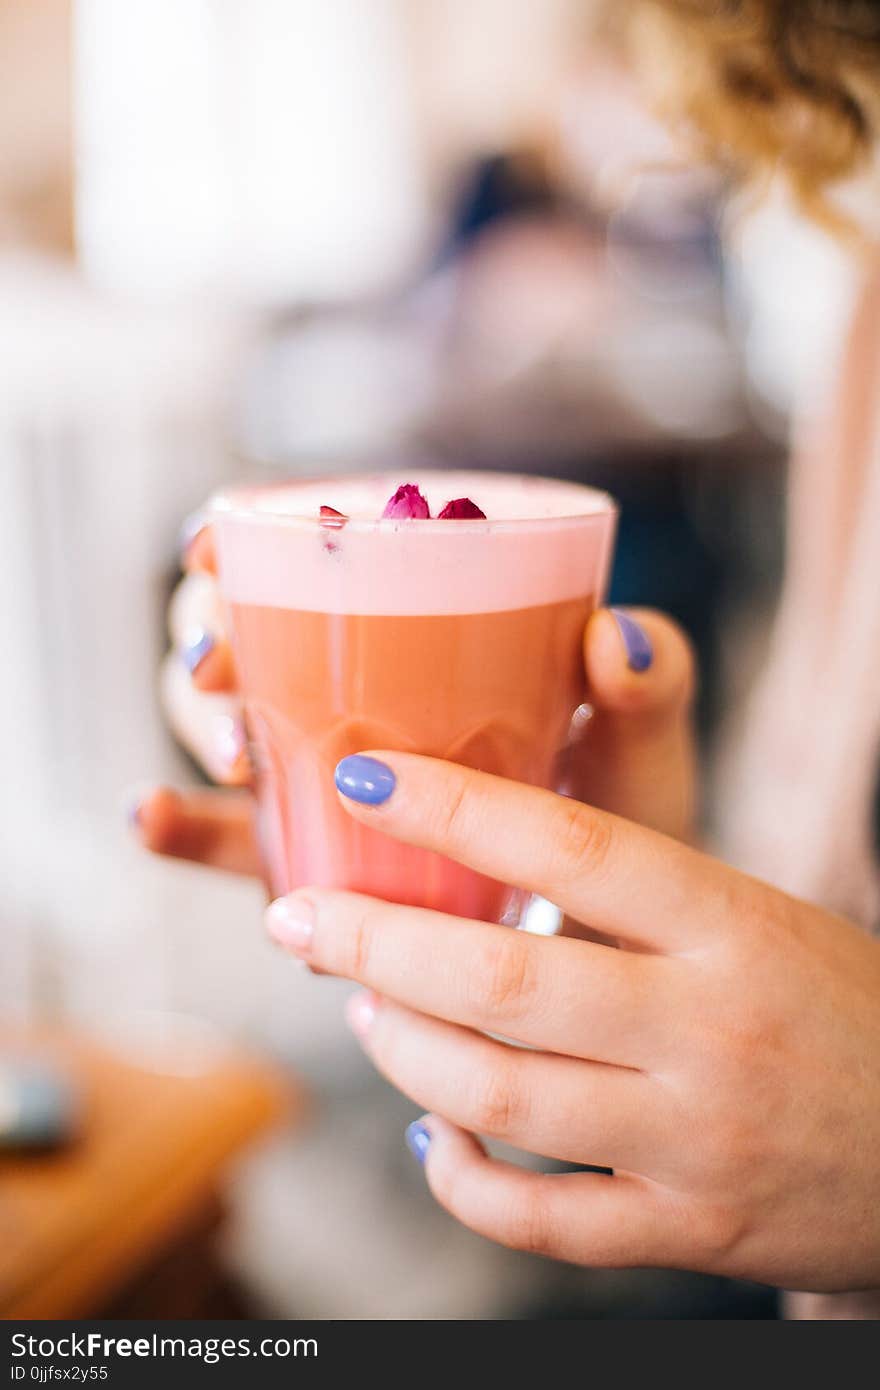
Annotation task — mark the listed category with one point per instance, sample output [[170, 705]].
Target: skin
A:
[[715, 1042]]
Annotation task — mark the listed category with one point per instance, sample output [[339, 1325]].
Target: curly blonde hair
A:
[[770, 86]]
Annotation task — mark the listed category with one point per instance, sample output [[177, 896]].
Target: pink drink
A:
[[459, 639]]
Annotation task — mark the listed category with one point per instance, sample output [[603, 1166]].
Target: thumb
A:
[[639, 665], [637, 756]]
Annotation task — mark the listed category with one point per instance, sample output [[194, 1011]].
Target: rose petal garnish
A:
[[461, 509], [333, 519], [407, 504]]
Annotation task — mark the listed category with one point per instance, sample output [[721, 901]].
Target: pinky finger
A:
[[583, 1218], [206, 827]]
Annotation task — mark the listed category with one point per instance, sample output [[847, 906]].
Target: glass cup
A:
[[457, 639]]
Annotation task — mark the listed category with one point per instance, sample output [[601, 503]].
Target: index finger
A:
[[608, 873], [553, 993]]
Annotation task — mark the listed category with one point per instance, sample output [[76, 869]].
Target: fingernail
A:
[[360, 1012], [132, 804], [198, 646], [418, 1138], [639, 652], [291, 922], [230, 739], [365, 779]]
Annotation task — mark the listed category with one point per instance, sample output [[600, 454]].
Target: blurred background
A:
[[268, 236]]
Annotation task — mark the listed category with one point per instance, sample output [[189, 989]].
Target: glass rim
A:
[[234, 503]]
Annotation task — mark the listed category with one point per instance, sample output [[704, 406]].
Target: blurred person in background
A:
[[591, 339], [725, 1062]]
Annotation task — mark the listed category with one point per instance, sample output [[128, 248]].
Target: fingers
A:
[[639, 664], [557, 994], [585, 1218], [198, 553], [206, 827], [195, 603], [208, 725], [197, 685], [209, 661], [198, 681], [636, 757], [606, 872], [196, 625], [556, 1106]]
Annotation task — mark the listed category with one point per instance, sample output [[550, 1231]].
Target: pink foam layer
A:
[[544, 542]]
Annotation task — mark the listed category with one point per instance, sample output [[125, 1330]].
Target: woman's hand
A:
[[635, 758], [725, 1063], [197, 683]]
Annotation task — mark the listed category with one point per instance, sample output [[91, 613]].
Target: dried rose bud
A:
[[333, 519], [406, 504], [461, 509]]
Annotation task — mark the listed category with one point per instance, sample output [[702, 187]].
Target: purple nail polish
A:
[[418, 1138], [199, 645], [365, 779], [133, 813], [639, 652]]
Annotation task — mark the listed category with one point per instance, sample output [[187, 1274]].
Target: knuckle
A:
[[498, 1104], [354, 950], [730, 1144], [719, 1231], [506, 982], [528, 1225], [452, 814], [731, 1151], [583, 840], [755, 1040], [522, 1218], [748, 1041]]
